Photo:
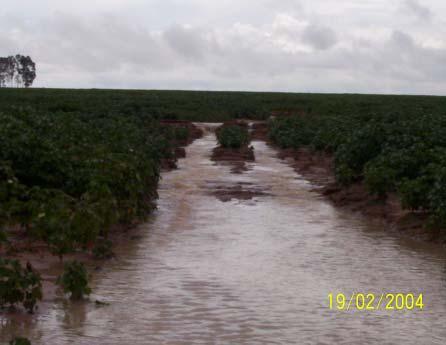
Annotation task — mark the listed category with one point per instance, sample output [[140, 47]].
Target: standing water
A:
[[258, 270]]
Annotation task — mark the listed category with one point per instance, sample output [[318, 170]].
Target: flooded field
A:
[[248, 259]]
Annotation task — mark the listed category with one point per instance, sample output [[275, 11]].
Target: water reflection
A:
[[74, 315]]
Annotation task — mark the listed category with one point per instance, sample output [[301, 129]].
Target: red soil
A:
[[238, 191], [237, 158], [318, 168], [179, 151], [259, 131]]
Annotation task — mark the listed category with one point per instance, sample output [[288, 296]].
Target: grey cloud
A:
[[186, 41], [319, 37], [101, 45], [420, 11], [283, 50], [402, 40]]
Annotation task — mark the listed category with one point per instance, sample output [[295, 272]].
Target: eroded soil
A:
[[238, 191], [319, 169]]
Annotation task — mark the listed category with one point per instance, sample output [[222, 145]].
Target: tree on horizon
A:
[[17, 71]]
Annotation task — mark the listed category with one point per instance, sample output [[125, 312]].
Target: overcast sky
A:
[[367, 46]]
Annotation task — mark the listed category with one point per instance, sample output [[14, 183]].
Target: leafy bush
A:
[[233, 136], [103, 249], [414, 193], [3, 237], [19, 285], [67, 178], [361, 146], [379, 178], [390, 169], [394, 151], [435, 186], [20, 341], [181, 133], [74, 280], [291, 132]]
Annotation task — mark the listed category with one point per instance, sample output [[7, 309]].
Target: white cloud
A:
[[417, 9], [319, 37], [347, 46]]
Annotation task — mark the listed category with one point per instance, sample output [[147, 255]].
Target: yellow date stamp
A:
[[373, 302]]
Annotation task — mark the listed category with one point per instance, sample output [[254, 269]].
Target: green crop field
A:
[[212, 106], [397, 147], [75, 162]]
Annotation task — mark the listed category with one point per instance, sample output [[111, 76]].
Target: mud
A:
[[318, 168], [237, 191], [236, 158], [180, 152], [259, 131], [178, 145]]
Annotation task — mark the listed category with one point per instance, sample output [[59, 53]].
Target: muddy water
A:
[[253, 271]]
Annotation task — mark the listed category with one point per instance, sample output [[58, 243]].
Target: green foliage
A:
[[344, 174], [103, 249], [414, 193], [74, 280], [397, 167], [395, 148], [435, 186], [233, 136], [291, 132], [181, 133], [20, 341], [358, 148], [3, 237], [19, 285], [379, 178], [75, 162], [212, 106], [68, 177]]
